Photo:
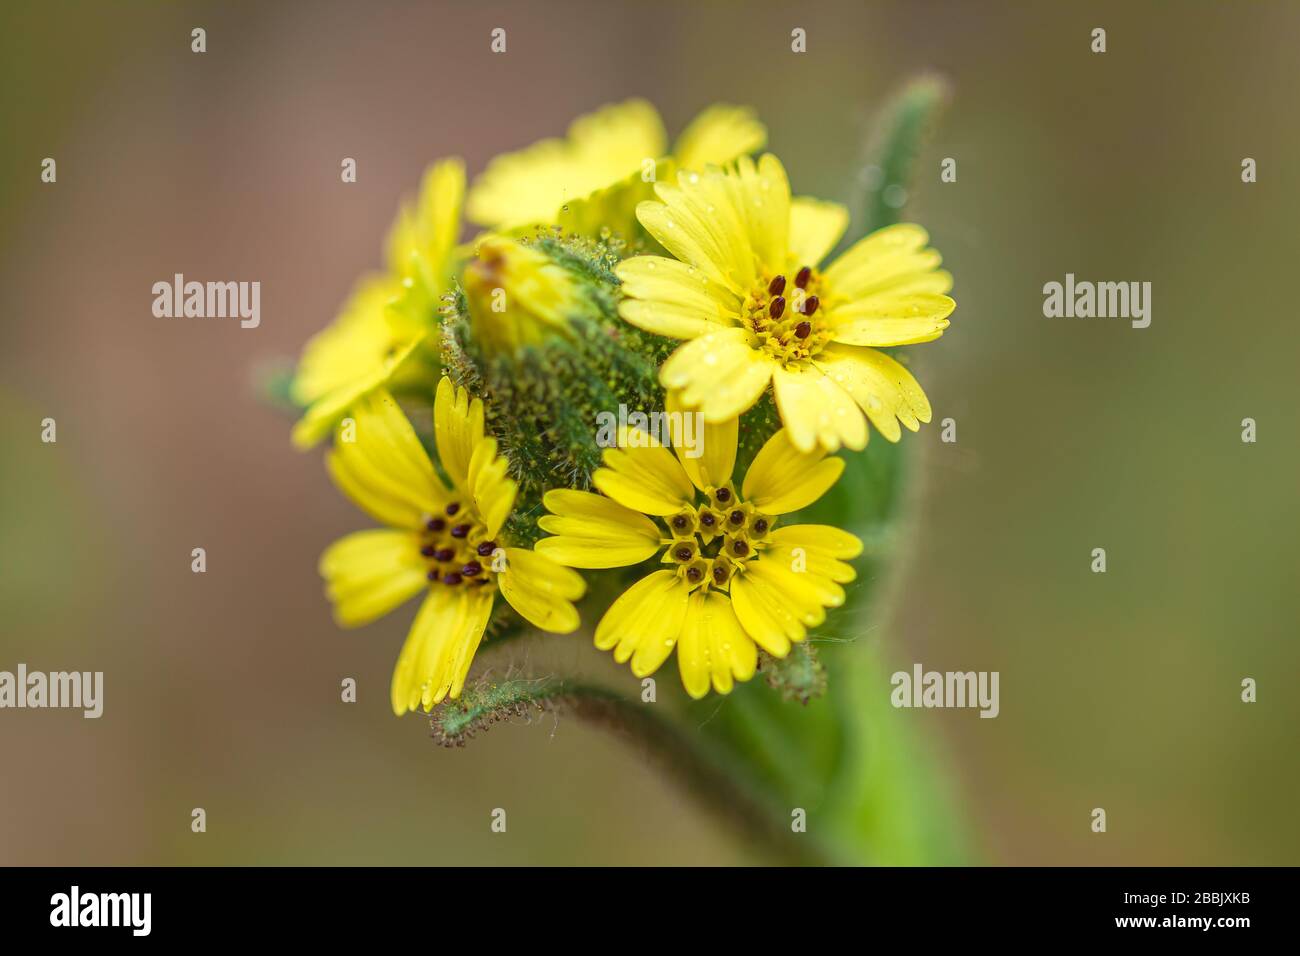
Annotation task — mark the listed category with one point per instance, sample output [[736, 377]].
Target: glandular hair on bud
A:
[[548, 364]]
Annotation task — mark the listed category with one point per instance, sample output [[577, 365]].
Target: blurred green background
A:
[[222, 690]]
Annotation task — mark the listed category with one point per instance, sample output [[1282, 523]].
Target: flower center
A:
[[713, 542], [456, 547], [784, 316]]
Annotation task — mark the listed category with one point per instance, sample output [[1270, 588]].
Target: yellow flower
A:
[[517, 296], [444, 541], [381, 329], [735, 581], [601, 150], [747, 291]]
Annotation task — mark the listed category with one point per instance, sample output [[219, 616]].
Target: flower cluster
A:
[[612, 272]]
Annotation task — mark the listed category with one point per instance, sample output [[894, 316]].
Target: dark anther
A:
[[777, 308], [740, 548], [444, 554], [428, 550], [760, 526], [801, 280], [432, 575], [719, 574], [460, 531], [724, 494], [682, 554], [803, 329], [776, 286], [452, 508], [707, 519], [486, 548], [471, 569], [693, 573], [737, 517], [810, 306], [436, 524], [451, 577], [679, 522]]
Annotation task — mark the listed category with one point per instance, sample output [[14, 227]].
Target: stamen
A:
[[723, 494], [777, 286], [777, 308], [679, 522], [760, 526], [428, 550], [694, 573], [737, 517], [682, 554], [719, 574], [801, 280], [486, 548], [803, 329], [436, 524], [444, 554], [810, 305], [460, 531], [471, 569], [740, 548], [451, 577], [452, 508], [707, 519]]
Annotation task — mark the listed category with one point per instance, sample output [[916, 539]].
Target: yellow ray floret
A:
[[747, 293], [385, 329], [732, 580], [606, 152], [442, 539]]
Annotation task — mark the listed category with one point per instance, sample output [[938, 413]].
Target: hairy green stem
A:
[[709, 773]]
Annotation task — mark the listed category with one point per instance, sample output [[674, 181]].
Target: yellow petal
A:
[[712, 458], [891, 320], [424, 236], [693, 649], [457, 428], [673, 298], [762, 192], [541, 591], [493, 490], [782, 478], [344, 384], [770, 626], [881, 387], [651, 610], [812, 560], [805, 592], [351, 346], [718, 135], [713, 649], [643, 475], [733, 655], [825, 539], [815, 227], [817, 411], [440, 647], [592, 531], [385, 470], [882, 261], [368, 573], [702, 221], [477, 614], [718, 373], [530, 186]]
